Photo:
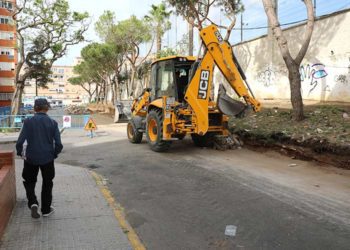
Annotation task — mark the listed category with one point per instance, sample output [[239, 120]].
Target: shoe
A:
[[52, 209], [34, 210]]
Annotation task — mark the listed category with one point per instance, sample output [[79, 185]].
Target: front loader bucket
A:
[[227, 105]]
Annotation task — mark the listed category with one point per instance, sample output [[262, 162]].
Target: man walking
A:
[[43, 146]]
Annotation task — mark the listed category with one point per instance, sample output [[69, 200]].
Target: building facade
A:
[[8, 52], [325, 70], [59, 92]]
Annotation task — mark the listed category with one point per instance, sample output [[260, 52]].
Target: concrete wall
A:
[[325, 70], [7, 188]]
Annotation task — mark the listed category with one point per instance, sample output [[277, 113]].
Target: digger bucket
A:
[[227, 105]]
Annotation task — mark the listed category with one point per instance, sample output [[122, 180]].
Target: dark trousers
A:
[[30, 174]]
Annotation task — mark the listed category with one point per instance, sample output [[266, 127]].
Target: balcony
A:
[[7, 58], [8, 43], [7, 89], [5, 12], [7, 27], [7, 73]]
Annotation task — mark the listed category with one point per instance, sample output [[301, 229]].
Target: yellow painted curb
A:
[[118, 213]]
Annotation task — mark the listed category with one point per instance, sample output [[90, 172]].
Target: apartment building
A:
[[8, 52], [58, 92]]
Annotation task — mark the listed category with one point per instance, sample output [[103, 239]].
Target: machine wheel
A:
[[206, 140], [154, 131], [133, 135]]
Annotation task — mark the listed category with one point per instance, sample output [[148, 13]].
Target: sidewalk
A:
[[8, 138], [82, 220]]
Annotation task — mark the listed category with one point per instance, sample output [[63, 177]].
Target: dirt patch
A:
[[324, 135]]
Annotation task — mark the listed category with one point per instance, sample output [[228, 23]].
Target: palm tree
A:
[[159, 17]]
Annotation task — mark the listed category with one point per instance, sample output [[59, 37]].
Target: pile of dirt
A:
[[324, 135], [77, 110], [102, 108]]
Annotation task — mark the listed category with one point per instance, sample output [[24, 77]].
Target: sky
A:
[[254, 18]]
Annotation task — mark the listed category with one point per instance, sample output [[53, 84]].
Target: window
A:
[[6, 36], [6, 96], [61, 71], [7, 66], [5, 20], [165, 79], [153, 81], [6, 81], [6, 5]]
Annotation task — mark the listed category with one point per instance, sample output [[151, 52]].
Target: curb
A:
[[118, 213], [8, 141]]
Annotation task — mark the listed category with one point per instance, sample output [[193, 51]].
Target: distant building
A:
[[8, 52], [59, 92]]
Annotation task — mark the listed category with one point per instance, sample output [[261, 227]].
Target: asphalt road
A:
[[185, 198]]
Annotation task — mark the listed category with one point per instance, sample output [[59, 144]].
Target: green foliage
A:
[[183, 45], [77, 80], [166, 52], [143, 69], [99, 61], [196, 11], [132, 31], [41, 69], [105, 26], [53, 24], [231, 7], [159, 19]]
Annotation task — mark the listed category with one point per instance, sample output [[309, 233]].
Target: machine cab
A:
[[170, 77]]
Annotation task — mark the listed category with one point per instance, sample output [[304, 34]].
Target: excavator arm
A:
[[217, 52]]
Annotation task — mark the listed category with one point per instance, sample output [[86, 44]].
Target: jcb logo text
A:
[[203, 84]]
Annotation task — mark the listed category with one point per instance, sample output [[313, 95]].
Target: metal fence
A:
[[5, 110], [16, 121]]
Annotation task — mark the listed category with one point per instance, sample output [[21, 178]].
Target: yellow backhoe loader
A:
[[179, 100]]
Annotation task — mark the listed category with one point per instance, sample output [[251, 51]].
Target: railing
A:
[[16, 121], [5, 110]]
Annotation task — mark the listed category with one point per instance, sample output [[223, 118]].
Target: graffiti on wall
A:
[[267, 77], [311, 74], [341, 79]]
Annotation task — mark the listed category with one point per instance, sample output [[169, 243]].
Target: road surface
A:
[[185, 198]]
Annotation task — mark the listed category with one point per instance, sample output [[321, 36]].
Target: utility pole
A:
[[270, 38], [190, 38], [241, 27], [176, 31], [36, 86], [315, 2]]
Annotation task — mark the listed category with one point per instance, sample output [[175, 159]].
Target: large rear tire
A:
[[154, 131], [206, 140], [134, 136]]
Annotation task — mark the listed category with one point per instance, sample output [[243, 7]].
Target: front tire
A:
[[154, 131], [134, 136]]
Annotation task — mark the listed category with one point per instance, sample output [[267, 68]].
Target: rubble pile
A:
[[77, 110]]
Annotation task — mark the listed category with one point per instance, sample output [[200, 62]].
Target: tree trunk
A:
[[159, 41], [292, 63], [36, 87], [132, 84], [117, 91], [295, 91], [104, 93], [190, 39], [17, 99], [114, 99], [97, 94]]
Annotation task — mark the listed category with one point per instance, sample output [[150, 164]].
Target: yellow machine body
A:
[[174, 107]]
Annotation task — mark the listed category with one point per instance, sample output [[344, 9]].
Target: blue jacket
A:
[[43, 139]]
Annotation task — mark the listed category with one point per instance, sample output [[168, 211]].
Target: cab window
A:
[[165, 79]]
